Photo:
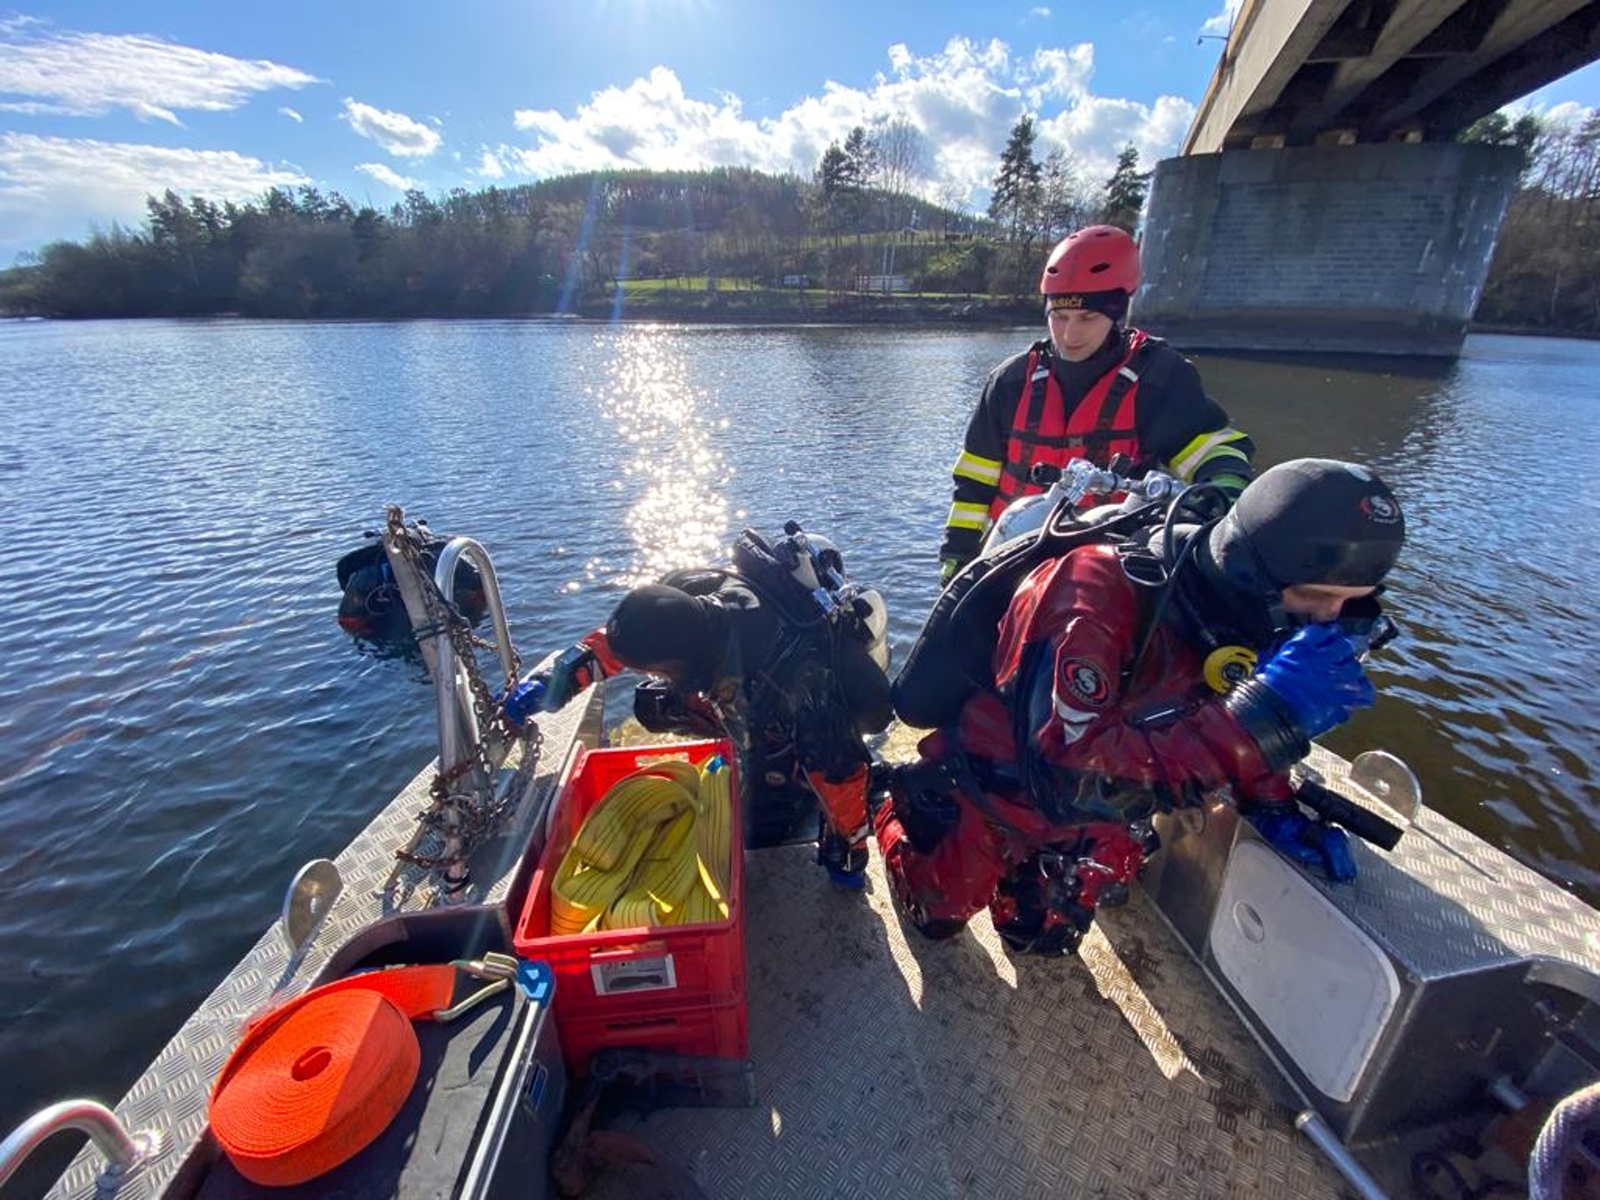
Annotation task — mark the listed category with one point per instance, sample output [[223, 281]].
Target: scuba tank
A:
[[1069, 486], [803, 576], [950, 660]]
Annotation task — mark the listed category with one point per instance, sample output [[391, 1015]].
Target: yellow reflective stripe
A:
[[968, 516], [1233, 484], [1204, 448], [979, 470]]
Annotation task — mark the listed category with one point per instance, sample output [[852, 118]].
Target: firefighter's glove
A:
[[1311, 843], [926, 816], [525, 699], [1312, 684]]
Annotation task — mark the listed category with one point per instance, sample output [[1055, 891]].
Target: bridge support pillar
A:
[[1372, 249]]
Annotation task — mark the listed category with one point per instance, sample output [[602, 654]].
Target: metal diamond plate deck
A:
[[170, 1097], [890, 1066], [1445, 901]]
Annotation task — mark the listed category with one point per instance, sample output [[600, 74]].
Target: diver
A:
[[1139, 675], [780, 652]]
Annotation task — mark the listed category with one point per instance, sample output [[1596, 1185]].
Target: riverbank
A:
[[810, 308]]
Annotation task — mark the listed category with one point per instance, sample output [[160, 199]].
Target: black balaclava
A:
[[1309, 520], [664, 631]]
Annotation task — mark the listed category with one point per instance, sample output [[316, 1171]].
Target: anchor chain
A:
[[463, 818]]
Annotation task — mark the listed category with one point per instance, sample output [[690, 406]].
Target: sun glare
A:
[[670, 466]]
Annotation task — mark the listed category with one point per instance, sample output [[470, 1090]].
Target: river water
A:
[[182, 724]]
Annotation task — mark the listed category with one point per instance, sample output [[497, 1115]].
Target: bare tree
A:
[[902, 154]]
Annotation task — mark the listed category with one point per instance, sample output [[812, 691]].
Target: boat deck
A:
[[888, 1065], [884, 1064]]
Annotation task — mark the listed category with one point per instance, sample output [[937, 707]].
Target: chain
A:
[[463, 818]]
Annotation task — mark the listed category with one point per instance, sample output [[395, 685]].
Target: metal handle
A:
[[124, 1152]]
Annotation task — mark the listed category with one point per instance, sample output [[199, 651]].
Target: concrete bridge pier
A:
[[1375, 249]]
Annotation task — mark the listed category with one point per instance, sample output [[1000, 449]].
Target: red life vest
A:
[[1100, 427]]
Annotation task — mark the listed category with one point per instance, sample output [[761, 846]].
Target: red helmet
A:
[[1100, 258]]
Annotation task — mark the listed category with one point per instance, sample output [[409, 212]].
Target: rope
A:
[[315, 1081], [654, 851], [1563, 1129]]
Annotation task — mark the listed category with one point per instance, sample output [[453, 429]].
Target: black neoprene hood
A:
[[1311, 520]]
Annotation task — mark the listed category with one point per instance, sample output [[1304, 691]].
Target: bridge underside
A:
[[1376, 249], [1319, 72]]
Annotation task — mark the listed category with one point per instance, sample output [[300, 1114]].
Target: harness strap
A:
[[1039, 376], [1097, 439]]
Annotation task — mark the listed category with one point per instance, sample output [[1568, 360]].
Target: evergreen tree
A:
[[862, 156], [1017, 185], [1125, 191], [1497, 129]]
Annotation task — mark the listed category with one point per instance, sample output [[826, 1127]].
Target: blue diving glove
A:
[[1312, 843], [525, 699], [1310, 685], [1316, 675]]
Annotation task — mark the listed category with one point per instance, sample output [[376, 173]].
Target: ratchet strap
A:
[[317, 1079]]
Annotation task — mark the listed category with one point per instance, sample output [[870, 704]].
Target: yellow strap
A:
[[654, 851]]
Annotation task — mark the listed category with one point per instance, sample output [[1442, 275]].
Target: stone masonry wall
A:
[[1323, 248]]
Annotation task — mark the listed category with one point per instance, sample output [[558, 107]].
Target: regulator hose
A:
[[1558, 1137], [654, 851]]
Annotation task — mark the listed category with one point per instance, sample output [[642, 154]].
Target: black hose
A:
[[1563, 1129]]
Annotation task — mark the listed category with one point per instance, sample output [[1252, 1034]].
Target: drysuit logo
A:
[[1083, 681], [1380, 510]]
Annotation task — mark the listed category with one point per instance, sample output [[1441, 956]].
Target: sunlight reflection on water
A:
[[667, 429]]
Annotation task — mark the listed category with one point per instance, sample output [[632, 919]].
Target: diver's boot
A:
[[845, 862]]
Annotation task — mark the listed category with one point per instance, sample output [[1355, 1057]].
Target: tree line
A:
[[861, 223], [1546, 269]]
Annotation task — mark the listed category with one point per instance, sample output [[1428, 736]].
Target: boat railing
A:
[[455, 692], [474, 742], [125, 1152]]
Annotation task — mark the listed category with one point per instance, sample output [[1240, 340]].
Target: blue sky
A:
[[102, 103]]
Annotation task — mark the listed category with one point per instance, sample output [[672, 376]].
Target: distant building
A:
[[883, 283], [795, 281]]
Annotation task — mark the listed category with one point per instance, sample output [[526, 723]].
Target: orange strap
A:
[[314, 1081]]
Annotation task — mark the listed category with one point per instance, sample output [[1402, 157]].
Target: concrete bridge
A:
[[1321, 202]]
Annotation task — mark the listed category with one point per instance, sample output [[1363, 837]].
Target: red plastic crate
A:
[[660, 983], [715, 1031]]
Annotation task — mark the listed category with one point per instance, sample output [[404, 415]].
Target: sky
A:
[[103, 103]]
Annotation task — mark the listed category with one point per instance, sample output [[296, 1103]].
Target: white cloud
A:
[[1222, 22], [61, 187], [291, 114], [92, 74], [395, 132], [1566, 117], [1039, 12], [964, 99], [387, 177]]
